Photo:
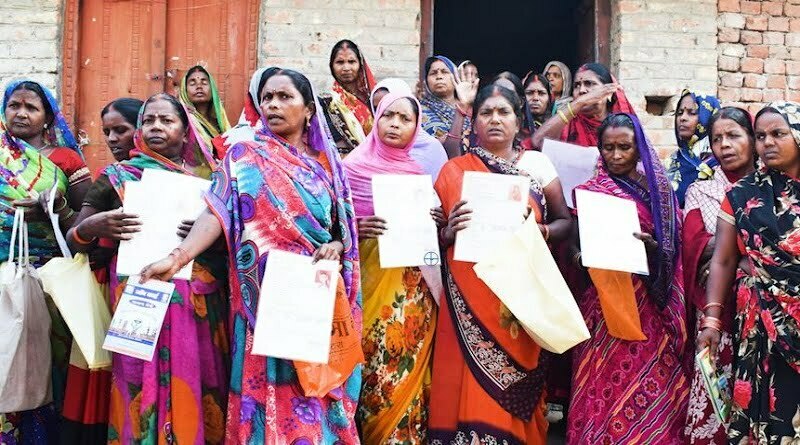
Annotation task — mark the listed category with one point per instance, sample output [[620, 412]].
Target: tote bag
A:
[[25, 360], [524, 276]]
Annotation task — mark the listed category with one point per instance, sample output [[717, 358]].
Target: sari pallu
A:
[[349, 115], [767, 362], [267, 194], [488, 374], [636, 391]]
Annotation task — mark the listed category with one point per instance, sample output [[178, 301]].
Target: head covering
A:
[[392, 85], [438, 115], [791, 112], [664, 210], [582, 130], [213, 129], [566, 74], [374, 157], [58, 133], [694, 159]]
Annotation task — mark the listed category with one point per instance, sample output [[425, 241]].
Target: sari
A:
[[438, 115], [763, 207], [582, 130], [399, 308], [636, 391], [488, 374], [180, 396], [208, 130], [267, 195], [703, 200], [25, 173], [349, 114], [694, 159]]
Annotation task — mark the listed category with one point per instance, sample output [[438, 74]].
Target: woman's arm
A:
[[559, 223], [452, 140]]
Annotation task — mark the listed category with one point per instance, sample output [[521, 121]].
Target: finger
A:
[[459, 227], [145, 274], [458, 205], [461, 212], [460, 220]]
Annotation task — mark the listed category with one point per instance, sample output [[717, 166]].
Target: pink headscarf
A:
[[373, 157]]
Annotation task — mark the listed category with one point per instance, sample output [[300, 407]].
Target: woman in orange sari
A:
[[347, 109], [488, 377]]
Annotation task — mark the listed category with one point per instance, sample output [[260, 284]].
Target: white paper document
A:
[[162, 200], [606, 225], [295, 309], [498, 204], [138, 318], [405, 202], [574, 164]]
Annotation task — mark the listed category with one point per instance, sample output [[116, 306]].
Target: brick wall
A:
[[30, 36], [300, 34], [759, 52], [659, 47]]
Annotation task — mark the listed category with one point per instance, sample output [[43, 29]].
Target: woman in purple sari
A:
[[630, 386]]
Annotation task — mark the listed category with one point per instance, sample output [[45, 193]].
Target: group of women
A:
[[444, 361]]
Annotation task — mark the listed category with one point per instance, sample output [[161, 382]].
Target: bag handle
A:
[[62, 243], [24, 251], [18, 215]]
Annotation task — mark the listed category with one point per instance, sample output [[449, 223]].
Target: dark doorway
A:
[[519, 35]]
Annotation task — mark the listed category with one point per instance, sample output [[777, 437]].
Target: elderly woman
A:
[[560, 78], [38, 152], [759, 220], [629, 384], [468, 405], [292, 174]]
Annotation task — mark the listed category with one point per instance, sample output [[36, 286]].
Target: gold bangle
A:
[[546, 232], [571, 111], [563, 117], [719, 305], [62, 207]]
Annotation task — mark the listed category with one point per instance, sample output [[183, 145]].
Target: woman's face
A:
[[199, 88], [619, 151], [537, 97], [496, 123], [440, 80], [686, 117], [378, 96], [283, 107], [118, 133], [775, 143], [556, 79], [585, 82], [470, 71], [163, 129], [346, 66], [25, 114], [732, 146], [397, 124]]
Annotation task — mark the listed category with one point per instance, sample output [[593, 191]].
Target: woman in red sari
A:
[[629, 384], [595, 95], [732, 143], [488, 381]]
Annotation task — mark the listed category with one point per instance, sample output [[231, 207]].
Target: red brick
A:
[[750, 37], [794, 25], [753, 108], [757, 22], [755, 80], [731, 79], [772, 8], [750, 7], [793, 67], [773, 38], [729, 35], [791, 10], [728, 94], [793, 95], [751, 95], [751, 65], [793, 82], [776, 81], [771, 95], [778, 52], [728, 6], [758, 51], [728, 63], [774, 66], [778, 24]]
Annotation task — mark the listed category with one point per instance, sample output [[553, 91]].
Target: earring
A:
[[45, 126]]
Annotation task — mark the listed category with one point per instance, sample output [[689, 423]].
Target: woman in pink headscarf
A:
[[399, 305]]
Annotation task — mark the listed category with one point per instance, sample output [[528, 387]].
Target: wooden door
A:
[[136, 48]]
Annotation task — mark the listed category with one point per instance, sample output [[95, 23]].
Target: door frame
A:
[[70, 50], [601, 44]]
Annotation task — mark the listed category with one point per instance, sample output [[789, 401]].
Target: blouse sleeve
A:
[[71, 164]]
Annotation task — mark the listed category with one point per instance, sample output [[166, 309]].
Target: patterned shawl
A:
[[209, 130], [707, 197], [693, 160], [438, 115], [660, 199]]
